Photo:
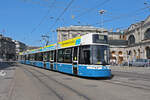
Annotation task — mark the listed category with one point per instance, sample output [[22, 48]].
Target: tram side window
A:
[[84, 56], [55, 56], [29, 57], [36, 57], [20, 57], [67, 55], [26, 57], [23, 57], [40, 57], [51, 58], [33, 57], [46, 56], [60, 55]]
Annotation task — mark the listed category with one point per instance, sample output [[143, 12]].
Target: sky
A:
[[28, 20]]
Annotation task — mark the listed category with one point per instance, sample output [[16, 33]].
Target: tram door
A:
[[75, 60], [51, 60], [44, 59], [25, 59]]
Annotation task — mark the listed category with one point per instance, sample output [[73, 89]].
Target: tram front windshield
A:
[[95, 54], [100, 55]]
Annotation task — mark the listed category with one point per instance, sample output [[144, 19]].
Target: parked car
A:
[[140, 62]]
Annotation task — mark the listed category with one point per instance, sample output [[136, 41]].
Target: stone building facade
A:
[[138, 46], [7, 48], [20, 47], [64, 33], [117, 43]]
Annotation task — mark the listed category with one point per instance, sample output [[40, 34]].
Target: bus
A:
[[86, 56]]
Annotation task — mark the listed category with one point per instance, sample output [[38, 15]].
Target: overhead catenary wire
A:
[[91, 9], [123, 16], [44, 17], [61, 14], [42, 20]]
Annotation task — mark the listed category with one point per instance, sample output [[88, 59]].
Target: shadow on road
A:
[[6, 65], [96, 78]]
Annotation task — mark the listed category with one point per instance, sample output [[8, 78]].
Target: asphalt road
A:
[[31, 83]]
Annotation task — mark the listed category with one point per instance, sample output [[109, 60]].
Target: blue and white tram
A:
[[86, 56]]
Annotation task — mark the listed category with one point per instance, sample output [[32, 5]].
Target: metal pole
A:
[[102, 22], [102, 12]]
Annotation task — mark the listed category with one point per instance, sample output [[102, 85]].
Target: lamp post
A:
[[101, 13]]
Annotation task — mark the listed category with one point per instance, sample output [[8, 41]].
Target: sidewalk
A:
[[140, 70], [6, 77]]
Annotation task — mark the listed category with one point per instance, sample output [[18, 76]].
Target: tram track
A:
[[80, 95], [47, 86], [145, 77], [127, 82]]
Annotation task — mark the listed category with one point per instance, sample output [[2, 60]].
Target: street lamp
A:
[[101, 13]]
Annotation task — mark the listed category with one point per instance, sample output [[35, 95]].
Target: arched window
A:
[[147, 52], [130, 53], [147, 34], [131, 40], [134, 52]]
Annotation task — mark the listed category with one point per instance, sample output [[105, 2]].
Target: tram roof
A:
[[64, 44], [67, 43]]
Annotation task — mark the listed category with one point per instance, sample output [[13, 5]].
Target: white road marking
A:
[[2, 73]]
